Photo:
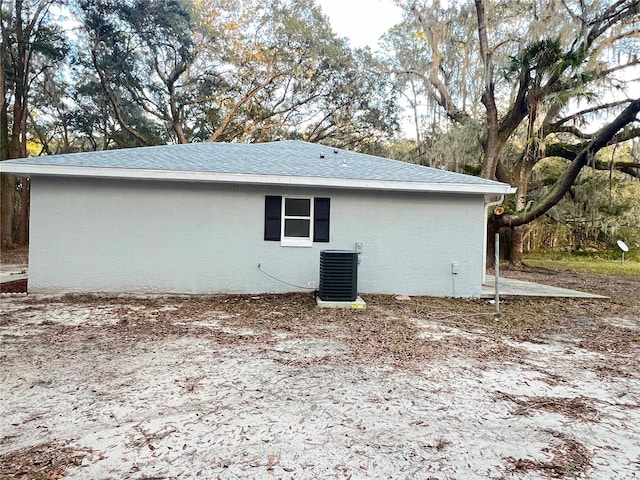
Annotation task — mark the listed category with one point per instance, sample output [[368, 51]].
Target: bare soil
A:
[[270, 386]]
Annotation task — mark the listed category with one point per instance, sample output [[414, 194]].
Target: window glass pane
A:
[[297, 207], [296, 228]]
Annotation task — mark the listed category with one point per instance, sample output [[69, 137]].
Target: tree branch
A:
[[229, 117], [630, 168], [612, 15], [491, 142], [568, 129], [601, 139], [632, 63], [586, 111], [441, 95], [570, 150], [114, 102]]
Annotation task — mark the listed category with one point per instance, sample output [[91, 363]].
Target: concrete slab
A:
[[357, 304], [519, 288]]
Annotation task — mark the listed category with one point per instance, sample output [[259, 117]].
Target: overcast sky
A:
[[362, 21]]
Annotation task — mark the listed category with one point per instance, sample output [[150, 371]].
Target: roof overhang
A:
[[32, 169]]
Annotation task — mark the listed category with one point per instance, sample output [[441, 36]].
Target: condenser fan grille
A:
[[338, 275]]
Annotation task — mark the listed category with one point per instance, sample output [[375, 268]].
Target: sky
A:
[[363, 22]]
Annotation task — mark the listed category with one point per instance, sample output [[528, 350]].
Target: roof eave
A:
[[254, 179]]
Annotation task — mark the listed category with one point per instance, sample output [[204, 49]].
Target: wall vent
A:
[[338, 275]]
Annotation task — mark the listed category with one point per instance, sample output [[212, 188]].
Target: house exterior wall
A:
[[98, 235]]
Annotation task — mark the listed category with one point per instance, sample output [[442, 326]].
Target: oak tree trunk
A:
[[22, 234], [517, 246], [7, 202]]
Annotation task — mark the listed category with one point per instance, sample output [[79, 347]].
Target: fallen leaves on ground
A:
[[48, 461]]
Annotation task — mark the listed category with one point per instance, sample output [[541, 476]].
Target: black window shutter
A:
[[321, 207], [272, 212]]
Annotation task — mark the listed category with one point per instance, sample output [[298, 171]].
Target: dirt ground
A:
[[235, 387]]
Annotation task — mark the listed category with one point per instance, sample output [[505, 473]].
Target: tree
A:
[[528, 63], [137, 52], [603, 205], [229, 70], [276, 70], [31, 46]]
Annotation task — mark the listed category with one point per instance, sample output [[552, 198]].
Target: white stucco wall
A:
[[136, 236]]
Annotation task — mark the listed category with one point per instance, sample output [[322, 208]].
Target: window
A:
[[296, 221], [297, 229]]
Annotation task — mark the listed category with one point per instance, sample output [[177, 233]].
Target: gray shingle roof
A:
[[284, 158]]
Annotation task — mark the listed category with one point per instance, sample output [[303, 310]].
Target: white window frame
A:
[[296, 241]]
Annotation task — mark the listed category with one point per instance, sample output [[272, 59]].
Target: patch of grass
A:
[[593, 263]]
